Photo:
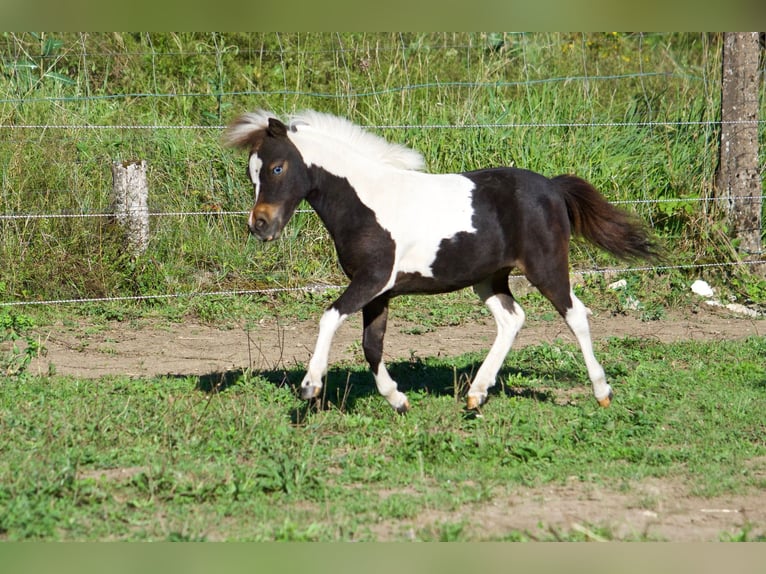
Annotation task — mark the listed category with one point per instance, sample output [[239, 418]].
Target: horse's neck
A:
[[334, 199], [342, 177], [333, 155]]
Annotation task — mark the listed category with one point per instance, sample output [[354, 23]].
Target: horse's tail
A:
[[604, 225]]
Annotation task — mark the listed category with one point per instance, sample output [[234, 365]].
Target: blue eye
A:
[[277, 170]]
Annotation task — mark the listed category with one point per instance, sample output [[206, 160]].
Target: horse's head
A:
[[276, 168]]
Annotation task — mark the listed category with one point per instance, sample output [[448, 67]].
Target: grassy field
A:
[[595, 94], [242, 458], [190, 458]]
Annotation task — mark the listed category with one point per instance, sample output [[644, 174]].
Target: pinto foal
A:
[[398, 230]]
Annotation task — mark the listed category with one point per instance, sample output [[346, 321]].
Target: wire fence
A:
[[321, 288], [476, 126], [221, 213], [66, 108]]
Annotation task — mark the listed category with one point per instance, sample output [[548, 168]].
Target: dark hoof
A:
[[403, 408]]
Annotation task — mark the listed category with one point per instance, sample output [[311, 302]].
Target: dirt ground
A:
[[164, 348], [663, 510], [658, 510]]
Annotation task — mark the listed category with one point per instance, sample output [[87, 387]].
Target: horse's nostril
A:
[[260, 223]]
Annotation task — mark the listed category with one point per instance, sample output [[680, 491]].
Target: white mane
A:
[[339, 131], [364, 142], [239, 132]]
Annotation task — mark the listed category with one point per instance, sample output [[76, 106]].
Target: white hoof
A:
[[474, 401]]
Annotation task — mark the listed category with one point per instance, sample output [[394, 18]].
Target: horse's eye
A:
[[277, 170]]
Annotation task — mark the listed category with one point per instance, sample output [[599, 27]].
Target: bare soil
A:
[[152, 347], [656, 509], [659, 510]]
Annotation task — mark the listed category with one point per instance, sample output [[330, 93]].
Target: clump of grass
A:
[[18, 345]]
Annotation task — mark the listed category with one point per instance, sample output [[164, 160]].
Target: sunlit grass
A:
[[564, 100], [241, 458]]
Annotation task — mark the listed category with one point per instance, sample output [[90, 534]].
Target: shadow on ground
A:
[[344, 385]]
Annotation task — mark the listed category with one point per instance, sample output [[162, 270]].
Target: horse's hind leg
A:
[[554, 284], [375, 317], [576, 317], [509, 317]]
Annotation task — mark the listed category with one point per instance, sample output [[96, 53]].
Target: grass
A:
[[203, 80], [241, 458], [190, 458]]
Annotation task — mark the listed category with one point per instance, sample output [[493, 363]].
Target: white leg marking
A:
[[509, 317], [328, 325], [577, 319], [387, 387]]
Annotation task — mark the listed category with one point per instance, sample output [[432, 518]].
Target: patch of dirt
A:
[[189, 348], [659, 509], [118, 474]]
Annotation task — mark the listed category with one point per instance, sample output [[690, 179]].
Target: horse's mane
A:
[[336, 129], [244, 130]]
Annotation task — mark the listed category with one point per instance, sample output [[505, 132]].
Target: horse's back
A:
[[511, 181], [522, 202]]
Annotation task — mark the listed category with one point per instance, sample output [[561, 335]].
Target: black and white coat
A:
[[399, 230]]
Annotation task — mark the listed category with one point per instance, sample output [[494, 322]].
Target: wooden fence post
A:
[[738, 179], [129, 203]]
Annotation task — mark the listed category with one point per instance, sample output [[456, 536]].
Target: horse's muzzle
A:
[[264, 227], [264, 232]]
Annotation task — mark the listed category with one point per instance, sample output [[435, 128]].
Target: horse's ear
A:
[[276, 128]]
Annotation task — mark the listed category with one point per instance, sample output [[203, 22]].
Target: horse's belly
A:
[[454, 263], [417, 258], [411, 283]]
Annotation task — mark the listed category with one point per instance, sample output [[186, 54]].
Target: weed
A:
[[17, 345], [743, 535], [284, 472]]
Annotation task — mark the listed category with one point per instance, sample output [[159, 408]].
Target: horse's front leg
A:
[[359, 292], [375, 316], [311, 385]]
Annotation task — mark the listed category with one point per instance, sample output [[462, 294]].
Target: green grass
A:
[[168, 459], [204, 80], [239, 457]]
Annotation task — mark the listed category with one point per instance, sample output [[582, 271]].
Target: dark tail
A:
[[604, 225]]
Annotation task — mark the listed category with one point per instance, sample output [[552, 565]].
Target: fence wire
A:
[[322, 288], [466, 126], [225, 213], [398, 44]]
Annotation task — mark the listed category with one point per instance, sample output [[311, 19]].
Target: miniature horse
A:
[[398, 230]]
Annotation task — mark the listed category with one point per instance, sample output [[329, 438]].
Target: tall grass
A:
[[203, 80]]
